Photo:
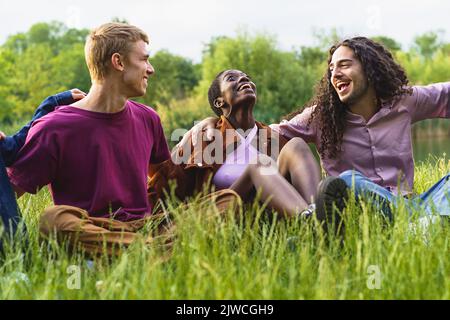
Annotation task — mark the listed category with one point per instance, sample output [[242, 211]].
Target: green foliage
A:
[[55, 34], [389, 43], [428, 43], [120, 20], [181, 115], [421, 71], [325, 38], [174, 78], [281, 79], [49, 58], [6, 106]]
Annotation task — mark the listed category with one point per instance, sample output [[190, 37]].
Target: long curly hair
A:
[[387, 76]]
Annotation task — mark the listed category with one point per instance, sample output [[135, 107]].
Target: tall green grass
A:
[[247, 257]]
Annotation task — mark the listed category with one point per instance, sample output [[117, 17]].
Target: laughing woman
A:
[[245, 155]]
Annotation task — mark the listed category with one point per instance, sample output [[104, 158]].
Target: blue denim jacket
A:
[[9, 148]]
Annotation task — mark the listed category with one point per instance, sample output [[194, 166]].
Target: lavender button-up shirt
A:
[[381, 148]]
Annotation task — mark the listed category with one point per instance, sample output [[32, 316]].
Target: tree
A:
[[43, 61], [174, 78], [389, 43], [326, 39], [280, 77], [312, 56], [428, 43], [69, 68], [17, 43], [6, 107], [119, 20]]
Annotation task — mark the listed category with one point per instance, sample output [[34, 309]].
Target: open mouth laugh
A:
[[342, 86], [245, 86]]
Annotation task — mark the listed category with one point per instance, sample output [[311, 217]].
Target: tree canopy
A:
[[49, 58]]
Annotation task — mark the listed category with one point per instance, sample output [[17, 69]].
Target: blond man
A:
[[95, 154]]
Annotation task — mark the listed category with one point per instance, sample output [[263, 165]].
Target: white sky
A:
[[183, 27]]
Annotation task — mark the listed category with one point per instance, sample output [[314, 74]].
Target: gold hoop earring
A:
[[231, 109]]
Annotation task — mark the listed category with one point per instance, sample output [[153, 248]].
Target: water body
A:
[[436, 146]]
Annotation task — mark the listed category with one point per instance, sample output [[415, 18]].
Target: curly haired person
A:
[[360, 121]]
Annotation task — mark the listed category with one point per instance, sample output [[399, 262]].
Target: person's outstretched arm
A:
[[429, 102], [10, 145]]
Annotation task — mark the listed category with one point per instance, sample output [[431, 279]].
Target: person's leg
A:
[[95, 235], [331, 199], [165, 232], [98, 236], [297, 164], [223, 200], [9, 210], [265, 177], [364, 187], [437, 199]]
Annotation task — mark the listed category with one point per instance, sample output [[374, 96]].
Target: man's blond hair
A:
[[106, 40]]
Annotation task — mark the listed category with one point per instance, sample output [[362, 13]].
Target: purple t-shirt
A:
[[94, 161]]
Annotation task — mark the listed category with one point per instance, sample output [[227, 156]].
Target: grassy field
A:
[[253, 258]]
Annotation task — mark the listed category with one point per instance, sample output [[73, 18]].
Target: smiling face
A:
[[236, 88], [347, 76], [137, 70]]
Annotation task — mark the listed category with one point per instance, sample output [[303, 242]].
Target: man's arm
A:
[[298, 127], [36, 163], [10, 146], [432, 101]]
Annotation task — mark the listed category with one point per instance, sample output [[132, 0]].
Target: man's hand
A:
[[206, 125], [77, 94]]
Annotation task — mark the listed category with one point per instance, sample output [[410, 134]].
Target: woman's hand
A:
[[2, 136]]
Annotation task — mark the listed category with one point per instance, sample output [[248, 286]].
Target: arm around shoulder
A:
[[298, 126]]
